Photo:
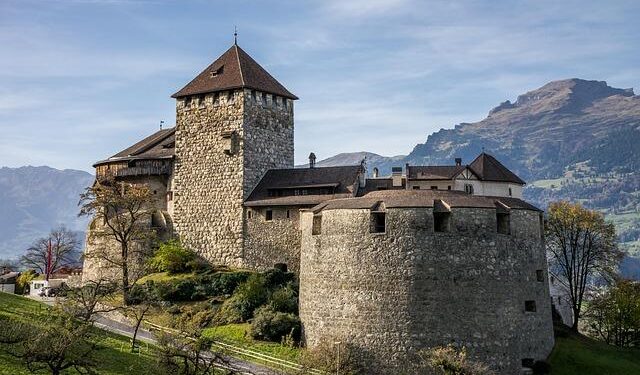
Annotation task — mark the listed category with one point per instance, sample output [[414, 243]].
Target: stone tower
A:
[[234, 122]]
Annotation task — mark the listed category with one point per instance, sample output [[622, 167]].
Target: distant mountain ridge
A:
[[33, 200]]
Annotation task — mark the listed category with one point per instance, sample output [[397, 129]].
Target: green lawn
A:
[[114, 357], [579, 355], [238, 334]]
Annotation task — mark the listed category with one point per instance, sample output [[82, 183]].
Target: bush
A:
[[274, 326], [275, 278], [173, 258], [451, 361], [324, 357], [221, 283], [284, 300], [248, 296]]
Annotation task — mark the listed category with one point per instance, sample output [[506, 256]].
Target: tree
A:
[[64, 246], [22, 282], [57, 343], [581, 248], [124, 209], [187, 351], [614, 315], [92, 297]]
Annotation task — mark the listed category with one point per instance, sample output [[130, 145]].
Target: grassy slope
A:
[[238, 334], [113, 358], [579, 355]]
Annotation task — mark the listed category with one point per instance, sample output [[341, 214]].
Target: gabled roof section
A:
[[159, 145], [234, 69], [342, 180], [489, 168]]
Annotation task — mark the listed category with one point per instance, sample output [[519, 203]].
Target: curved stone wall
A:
[[409, 288]]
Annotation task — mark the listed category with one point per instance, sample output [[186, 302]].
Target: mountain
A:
[[572, 139], [33, 200]]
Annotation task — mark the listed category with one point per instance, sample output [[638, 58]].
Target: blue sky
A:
[[83, 79]]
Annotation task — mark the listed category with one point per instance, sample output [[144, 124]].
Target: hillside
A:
[[35, 199], [571, 139]]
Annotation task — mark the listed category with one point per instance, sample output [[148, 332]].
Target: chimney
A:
[[312, 160], [375, 172], [396, 176], [458, 161]]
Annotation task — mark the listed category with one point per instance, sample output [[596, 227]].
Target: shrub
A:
[[451, 361], [284, 300], [22, 282], [275, 278], [324, 357], [248, 296], [273, 326], [221, 283], [172, 257]]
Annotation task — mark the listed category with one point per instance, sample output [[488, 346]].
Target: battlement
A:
[[248, 97]]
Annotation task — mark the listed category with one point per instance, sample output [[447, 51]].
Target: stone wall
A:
[[274, 241], [99, 244], [210, 184], [409, 288]]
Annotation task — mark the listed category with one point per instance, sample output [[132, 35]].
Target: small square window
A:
[[378, 222], [268, 215], [530, 306], [449, 187], [540, 275]]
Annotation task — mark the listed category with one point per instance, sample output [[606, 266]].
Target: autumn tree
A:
[[122, 210], [581, 248], [613, 314], [64, 246]]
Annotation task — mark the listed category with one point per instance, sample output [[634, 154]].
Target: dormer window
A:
[[217, 72], [468, 188]]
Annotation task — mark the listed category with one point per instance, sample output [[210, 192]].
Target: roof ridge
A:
[[239, 64]]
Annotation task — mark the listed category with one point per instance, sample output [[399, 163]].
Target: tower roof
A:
[[489, 168], [233, 70]]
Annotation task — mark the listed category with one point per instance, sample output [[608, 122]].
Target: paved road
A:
[[112, 325]]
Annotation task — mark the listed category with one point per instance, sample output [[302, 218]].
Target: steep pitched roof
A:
[[159, 145], [489, 168], [234, 69], [342, 180]]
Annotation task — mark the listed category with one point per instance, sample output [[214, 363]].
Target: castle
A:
[[428, 256]]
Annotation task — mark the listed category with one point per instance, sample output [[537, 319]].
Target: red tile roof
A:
[[233, 70]]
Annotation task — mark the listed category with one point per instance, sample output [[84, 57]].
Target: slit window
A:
[[268, 215], [317, 225], [253, 95], [288, 214], [378, 222], [249, 214], [503, 223], [442, 222], [510, 192], [540, 275], [434, 188], [530, 306]]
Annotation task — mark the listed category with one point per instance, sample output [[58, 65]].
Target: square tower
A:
[[234, 122]]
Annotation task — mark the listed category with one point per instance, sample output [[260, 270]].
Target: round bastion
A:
[[395, 272]]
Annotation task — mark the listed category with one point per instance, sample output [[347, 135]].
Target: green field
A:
[[113, 357], [579, 355]]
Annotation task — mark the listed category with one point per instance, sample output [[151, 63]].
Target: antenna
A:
[[235, 35], [161, 123]]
